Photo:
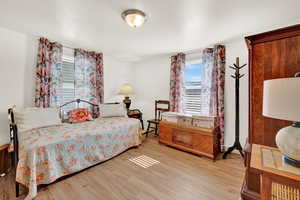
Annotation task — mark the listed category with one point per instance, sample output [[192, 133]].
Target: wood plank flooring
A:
[[178, 176]]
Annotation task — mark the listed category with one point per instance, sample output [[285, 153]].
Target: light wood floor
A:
[[179, 176]]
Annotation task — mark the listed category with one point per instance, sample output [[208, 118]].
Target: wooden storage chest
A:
[[199, 141]]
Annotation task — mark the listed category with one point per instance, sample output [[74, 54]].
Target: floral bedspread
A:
[[47, 153]]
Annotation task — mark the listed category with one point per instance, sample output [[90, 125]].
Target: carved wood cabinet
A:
[[199, 141], [274, 54]]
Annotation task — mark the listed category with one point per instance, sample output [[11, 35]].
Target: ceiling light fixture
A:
[[134, 18]]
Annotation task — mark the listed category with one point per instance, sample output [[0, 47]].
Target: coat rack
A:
[[237, 145]]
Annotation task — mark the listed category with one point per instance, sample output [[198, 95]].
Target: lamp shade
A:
[[281, 99], [126, 89]]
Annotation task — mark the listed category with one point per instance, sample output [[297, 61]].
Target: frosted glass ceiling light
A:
[[134, 18]]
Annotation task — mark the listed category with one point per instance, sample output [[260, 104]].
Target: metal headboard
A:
[[13, 133], [78, 101]]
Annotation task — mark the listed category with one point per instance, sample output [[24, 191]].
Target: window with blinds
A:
[[196, 98], [68, 88]]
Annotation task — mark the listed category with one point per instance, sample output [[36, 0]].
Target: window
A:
[[68, 87], [197, 81]]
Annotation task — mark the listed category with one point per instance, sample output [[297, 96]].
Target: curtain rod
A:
[[65, 46], [190, 53], [68, 47]]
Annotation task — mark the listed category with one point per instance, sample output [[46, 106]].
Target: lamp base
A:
[[287, 141], [127, 102], [291, 161]]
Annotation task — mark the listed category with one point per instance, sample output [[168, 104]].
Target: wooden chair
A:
[[160, 107]]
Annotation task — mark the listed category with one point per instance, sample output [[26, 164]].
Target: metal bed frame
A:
[[13, 129]]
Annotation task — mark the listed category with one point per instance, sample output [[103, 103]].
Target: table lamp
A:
[[281, 100], [126, 90]]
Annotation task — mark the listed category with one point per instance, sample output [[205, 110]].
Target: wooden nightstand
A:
[[4, 159], [278, 180], [137, 114]]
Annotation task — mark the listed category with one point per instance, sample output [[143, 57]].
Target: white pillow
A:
[[29, 118], [112, 110]]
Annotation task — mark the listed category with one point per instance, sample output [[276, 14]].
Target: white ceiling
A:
[[172, 26]]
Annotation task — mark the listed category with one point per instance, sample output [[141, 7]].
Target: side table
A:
[[278, 180], [137, 114]]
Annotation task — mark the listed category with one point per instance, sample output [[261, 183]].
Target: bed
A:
[[47, 153]]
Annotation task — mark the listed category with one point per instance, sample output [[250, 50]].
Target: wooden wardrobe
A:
[[274, 54]]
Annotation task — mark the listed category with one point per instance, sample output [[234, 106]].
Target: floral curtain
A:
[[89, 76], [48, 74], [176, 82], [218, 88]]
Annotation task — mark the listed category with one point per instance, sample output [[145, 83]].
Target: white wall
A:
[[16, 80], [116, 73], [152, 83], [17, 75], [153, 78]]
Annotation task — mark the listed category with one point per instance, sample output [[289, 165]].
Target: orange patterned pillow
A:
[[80, 115]]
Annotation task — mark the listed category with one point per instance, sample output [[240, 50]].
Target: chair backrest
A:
[[160, 107]]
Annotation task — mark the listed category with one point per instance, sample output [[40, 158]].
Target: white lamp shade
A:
[[126, 89], [281, 99]]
